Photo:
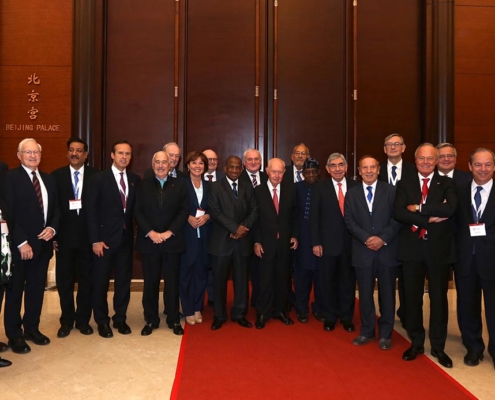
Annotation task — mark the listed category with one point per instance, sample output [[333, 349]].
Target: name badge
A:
[[200, 212], [75, 204], [477, 230]]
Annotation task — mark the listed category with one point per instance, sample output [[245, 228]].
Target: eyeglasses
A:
[[448, 156], [396, 144], [31, 152], [213, 159], [300, 153]]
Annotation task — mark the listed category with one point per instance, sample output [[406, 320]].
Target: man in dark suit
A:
[[369, 218], [73, 250], [447, 158], [300, 154], [161, 212], [475, 267], [275, 235], [252, 174], [31, 197], [233, 212], [216, 175], [109, 218], [332, 244], [173, 151], [424, 205], [392, 171]]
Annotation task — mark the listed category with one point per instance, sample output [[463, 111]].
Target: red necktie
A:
[[275, 199], [341, 198], [424, 194], [210, 177], [254, 180], [37, 189]]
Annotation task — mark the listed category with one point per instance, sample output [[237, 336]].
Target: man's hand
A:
[[166, 235], [412, 207], [374, 243], [258, 250], [436, 219], [293, 243], [241, 231], [46, 234], [318, 250], [155, 237], [26, 252], [55, 245], [98, 248]]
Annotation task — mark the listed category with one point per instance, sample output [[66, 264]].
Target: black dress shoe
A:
[[244, 322], [443, 359], [5, 363], [260, 321], [412, 352], [64, 331], [348, 326], [328, 326], [216, 324], [319, 316], [19, 346], [105, 331], [284, 318], [84, 328], [37, 338], [302, 317], [3, 347], [176, 328], [472, 359], [122, 328], [148, 329]]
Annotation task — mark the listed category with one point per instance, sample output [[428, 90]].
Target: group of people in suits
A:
[[400, 221]]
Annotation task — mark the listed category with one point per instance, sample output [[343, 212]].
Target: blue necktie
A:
[[394, 174], [234, 189], [477, 202], [370, 194], [76, 181], [298, 176]]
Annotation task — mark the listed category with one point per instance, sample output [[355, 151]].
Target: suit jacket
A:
[[484, 246], [219, 173], [161, 210], [72, 231], [3, 169], [190, 233], [462, 178], [327, 223], [149, 173], [228, 214], [289, 174], [105, 215], [270, 223], [246, 177], [441, 202], [380, 223], [20, 198], [408, 170]]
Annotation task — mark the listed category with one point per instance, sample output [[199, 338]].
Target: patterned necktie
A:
[[254, 181], [299, 179], [394, 174], [477, 202], [370, 193], [341, 198], [234, 189], [122, 191], [76, 188], [210, 177], [275, 199], [37, 189]]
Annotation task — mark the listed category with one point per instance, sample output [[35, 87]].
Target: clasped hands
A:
[[241, 232], [158, 238], [199, 221]]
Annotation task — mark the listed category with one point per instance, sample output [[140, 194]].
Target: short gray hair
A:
[[24, 141], [334, 156]]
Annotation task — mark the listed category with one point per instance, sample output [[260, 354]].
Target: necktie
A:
[[210, 177], [76, 188], [424, 194], [122, 191], [255, 182], [37, 189], [298, 176], [394, 174], [370, 193], [341, 198], [275, 199], [477, 202], [234, 189]]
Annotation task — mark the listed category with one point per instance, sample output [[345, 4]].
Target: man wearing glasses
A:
[[299, 155], [211, 174], [447, 158]]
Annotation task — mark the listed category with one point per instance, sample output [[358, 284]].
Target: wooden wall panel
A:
[[220, 76], [311, 77], [474, 77], [389, 74], [139, 77]]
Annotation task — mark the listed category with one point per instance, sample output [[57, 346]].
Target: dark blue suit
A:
[[371, 264], [194, 264]]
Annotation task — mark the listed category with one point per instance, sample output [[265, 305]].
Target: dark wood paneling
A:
[[311, 77], [220, 76], [140, 77], [389, 74]]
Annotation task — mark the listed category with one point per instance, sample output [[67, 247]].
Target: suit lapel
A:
[[490, 204]]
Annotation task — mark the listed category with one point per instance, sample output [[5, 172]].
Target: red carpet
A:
[[301, 361]]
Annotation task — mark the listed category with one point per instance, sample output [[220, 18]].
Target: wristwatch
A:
[[416, 207]]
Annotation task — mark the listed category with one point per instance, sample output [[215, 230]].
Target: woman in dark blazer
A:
[[194, 262]]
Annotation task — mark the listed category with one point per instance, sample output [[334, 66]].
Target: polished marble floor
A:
[[136, 367]]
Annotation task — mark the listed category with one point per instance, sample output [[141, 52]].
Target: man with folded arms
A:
[[369, 217]]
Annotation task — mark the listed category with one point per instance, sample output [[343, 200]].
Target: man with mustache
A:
[[73, 250]]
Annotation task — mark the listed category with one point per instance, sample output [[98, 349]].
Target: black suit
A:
[[161, 209], [475, 273], [461, 178], [74, 255], [227, 214], [274, 232], [431, 257], [371, 264], [328, 230], [109, 223], [3, 169], [219, 175], [408, 171], [30, 276], [289, 175]]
